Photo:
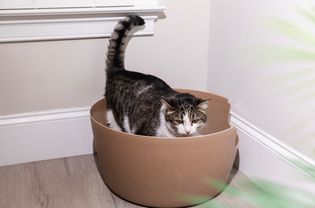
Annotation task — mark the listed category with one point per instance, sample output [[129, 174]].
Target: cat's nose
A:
[[187, 131]]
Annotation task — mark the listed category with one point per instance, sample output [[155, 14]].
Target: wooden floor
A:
[[69, 183]]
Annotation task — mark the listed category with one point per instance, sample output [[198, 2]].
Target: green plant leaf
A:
[[293, 32], [288, 54]]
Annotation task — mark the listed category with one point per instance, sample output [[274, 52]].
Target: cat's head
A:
[[185, 114]]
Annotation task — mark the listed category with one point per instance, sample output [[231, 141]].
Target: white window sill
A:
[[76, 23]]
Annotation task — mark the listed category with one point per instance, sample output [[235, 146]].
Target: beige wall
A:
[[272, 90], [38, 76]]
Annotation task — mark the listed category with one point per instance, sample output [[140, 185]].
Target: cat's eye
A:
[[195, 121], [178, 121]]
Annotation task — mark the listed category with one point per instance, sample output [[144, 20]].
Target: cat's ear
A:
[[165, 105], [203, 105]]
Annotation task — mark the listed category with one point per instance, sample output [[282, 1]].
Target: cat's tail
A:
[[116, 47]]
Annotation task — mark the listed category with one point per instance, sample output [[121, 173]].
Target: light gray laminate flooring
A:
[[70, 183]]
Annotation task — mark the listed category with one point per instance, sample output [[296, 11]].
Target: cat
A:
[[143, 104]]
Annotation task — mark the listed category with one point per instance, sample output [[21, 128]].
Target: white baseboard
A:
[[45, 135], [63, 133], [266, 157]]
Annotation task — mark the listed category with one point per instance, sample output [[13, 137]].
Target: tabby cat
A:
[[144, 104]]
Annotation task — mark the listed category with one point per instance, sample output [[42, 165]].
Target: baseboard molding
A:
[[64, 133], [266, 157], [45, 135]]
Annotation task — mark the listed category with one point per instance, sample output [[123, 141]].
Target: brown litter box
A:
[[159, 172]]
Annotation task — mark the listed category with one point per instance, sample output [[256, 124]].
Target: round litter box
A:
[[159, 172]]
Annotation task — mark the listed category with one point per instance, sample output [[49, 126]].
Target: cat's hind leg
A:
[[111, 122]]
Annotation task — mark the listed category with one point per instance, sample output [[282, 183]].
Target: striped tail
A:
[[116, 49]]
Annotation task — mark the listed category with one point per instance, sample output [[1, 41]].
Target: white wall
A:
[[38, 76], [178, 53], [274, 93]]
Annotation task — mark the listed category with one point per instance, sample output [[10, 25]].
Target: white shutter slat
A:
[[63, 29], [47, 4], [40, 20], [16, 4], [52, 4], [104, 3]]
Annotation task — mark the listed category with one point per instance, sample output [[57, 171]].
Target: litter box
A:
[[160, 172]]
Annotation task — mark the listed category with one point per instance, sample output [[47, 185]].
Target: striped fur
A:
[[116, 48], [144, 104]]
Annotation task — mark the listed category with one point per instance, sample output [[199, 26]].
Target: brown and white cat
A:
[[144, 104]]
